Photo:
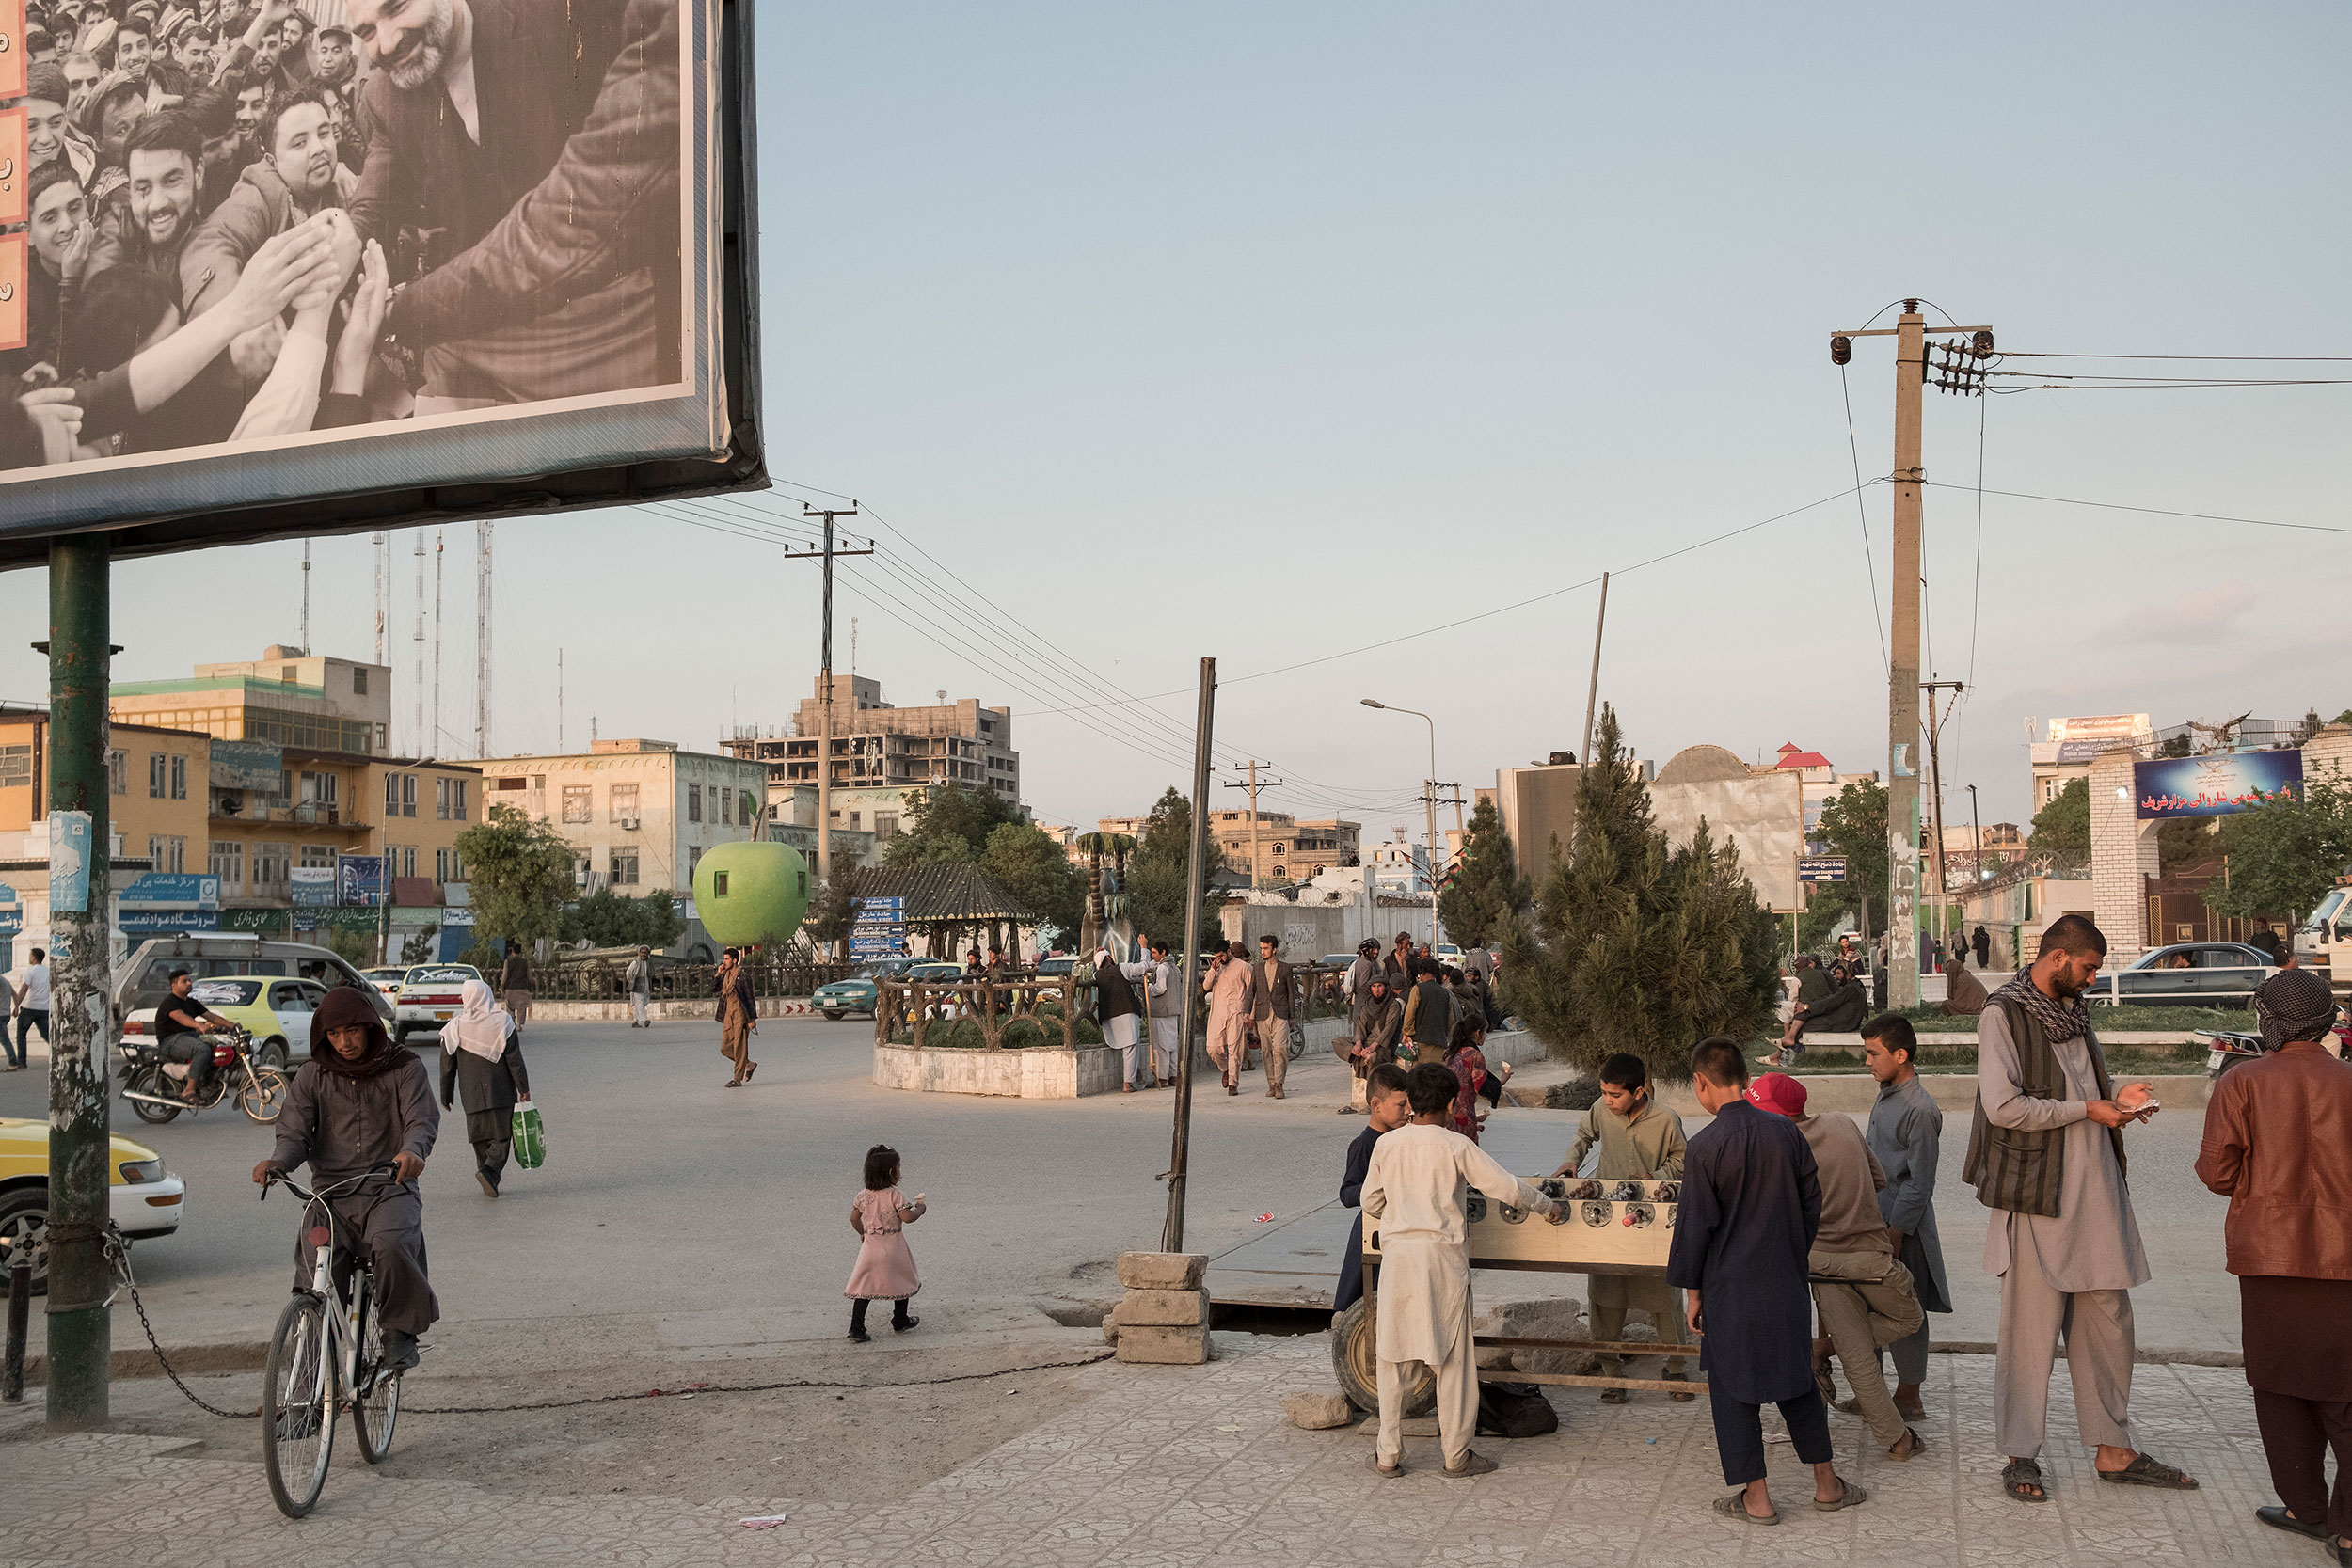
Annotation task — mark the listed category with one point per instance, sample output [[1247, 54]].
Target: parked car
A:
[[142, 1198], [386, 978], [2189, 973], [860, 992], [145, 977], [429, 996], [276, 1013], [2329, 925]]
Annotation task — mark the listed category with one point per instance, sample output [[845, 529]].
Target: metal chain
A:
[[120, 1255], [119, 1251]]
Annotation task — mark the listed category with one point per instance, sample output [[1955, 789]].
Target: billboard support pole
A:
[[80, 1333]]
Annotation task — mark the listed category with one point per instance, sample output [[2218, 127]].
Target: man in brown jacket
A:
[[2279, 1144], [1270, 986]]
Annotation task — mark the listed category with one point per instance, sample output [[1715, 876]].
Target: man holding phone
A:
[[2046, 1150]]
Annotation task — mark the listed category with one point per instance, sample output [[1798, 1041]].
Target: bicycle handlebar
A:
[[313, 1195]]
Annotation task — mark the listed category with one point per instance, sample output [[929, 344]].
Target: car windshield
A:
[[874, 972], [225, 993], [1055, 966], [2328, 907]]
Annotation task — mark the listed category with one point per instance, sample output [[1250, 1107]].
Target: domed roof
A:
[[1701, 765]]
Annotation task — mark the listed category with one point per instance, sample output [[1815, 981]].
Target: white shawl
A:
[[480, 1027]]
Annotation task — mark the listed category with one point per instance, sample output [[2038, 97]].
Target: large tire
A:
[[23, 1221], [832, 1016], [1356, 1362], [273, 1054]]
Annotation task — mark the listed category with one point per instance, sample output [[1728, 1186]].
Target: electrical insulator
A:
[[1840, 350], [1982, 344]]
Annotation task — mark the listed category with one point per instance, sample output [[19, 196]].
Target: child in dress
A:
[[885, 1269]]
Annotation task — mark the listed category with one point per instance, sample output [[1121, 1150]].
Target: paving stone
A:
[[1162, 1271], [1318, 1412]]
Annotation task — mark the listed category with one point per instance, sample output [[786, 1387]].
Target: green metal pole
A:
[[79, 1331]]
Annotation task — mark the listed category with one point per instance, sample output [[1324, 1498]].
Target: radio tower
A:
[[432, 736], [481, 640], [419, 732], [381, 546]]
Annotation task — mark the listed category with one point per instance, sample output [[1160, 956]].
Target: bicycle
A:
[[320, 1360]]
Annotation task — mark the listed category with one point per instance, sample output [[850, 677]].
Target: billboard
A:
[[2103, 726], [312, 886], [256, 766], [2215, 785], [361, 879], [503, 260]]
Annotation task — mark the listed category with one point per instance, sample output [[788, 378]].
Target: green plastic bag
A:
[[530, 1137]]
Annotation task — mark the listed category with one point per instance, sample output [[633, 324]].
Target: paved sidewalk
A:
[[1159, 1467]]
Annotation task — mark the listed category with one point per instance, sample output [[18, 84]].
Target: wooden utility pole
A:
[[824, 695], [1592, 692], [1963, 372], [1255, 784], [1180, 1151]]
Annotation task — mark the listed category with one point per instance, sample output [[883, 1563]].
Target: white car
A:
[[429, 996], [142, 1198], [386, 979]]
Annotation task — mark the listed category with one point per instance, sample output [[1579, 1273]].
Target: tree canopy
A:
[[2062, 829], [1025, 862], [610, 919], [522, 876], [2285, 855], [949, 826], [1487, 886], [1159, 870]]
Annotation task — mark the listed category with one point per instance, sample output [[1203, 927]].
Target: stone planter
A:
[[1036, 1072]]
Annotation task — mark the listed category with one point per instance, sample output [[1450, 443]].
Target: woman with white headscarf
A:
[[482, 1058]]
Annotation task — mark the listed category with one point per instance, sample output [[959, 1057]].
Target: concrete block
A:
[[1169, 1347], [1318, 1412], [1162, 1271], [1162, 1309]]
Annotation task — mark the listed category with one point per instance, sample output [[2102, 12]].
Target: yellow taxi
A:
[[142, 1198], [276, 1012]]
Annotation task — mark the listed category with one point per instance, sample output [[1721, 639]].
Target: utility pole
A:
[[1935, 778], [558, 703], [1592, 692], [824, 695], [1961, 371], [1254, 786], [80, 659], [422, 744], [1180, 1154], [482, 638], [1976, 818]]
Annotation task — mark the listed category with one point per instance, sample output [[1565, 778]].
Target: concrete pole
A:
[[1180, 1152], [824, 729], [80, 1333], [1592, 692], [1902, 676]]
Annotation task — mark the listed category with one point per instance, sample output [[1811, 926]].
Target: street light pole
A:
[[1429, 800]]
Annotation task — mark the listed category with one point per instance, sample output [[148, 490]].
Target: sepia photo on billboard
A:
[[269, 249]]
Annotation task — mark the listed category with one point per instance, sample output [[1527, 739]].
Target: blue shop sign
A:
[[2216, 785]]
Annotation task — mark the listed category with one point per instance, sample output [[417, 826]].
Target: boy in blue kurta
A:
[[1751, 1204]]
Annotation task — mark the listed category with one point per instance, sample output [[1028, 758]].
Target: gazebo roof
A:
[[935, 893]]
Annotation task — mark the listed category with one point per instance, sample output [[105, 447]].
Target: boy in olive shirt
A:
[[1642, 1140]]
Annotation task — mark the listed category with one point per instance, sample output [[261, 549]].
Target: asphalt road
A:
[[725, 1212]]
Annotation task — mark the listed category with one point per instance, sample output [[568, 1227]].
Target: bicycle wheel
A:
[[262, 1096], [298, 1406], [376, 1394]]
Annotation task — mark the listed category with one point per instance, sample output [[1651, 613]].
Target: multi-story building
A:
[[639, 813], [329, 804], [1278, 849], [284, 698], [879, 747]]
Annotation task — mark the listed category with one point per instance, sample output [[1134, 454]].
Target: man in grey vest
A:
[[2046, 1150]]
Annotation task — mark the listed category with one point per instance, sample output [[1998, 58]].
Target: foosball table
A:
[[1612, 1226]]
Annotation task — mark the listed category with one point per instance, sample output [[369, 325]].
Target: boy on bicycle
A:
[[360, 1104]]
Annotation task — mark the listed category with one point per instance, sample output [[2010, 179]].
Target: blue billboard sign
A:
[[2215, 785], [173, 890], [1821, 868], [360, 880]]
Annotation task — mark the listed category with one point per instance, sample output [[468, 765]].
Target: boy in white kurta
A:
[[1420, 1175]]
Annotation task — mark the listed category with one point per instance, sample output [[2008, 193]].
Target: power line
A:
[[1976, 597], [2206, 358], [2151, 511], [1861, 516]]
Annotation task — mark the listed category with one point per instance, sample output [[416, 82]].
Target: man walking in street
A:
[[514, 983], [2046, 1151], [31, 1005], [1399, 964], [639, 979], [1228, 987], [2278, 1144], [1906, 1135], [1270, 985], [1119, 1014]]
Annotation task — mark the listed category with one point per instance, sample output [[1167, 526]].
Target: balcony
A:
[[260, 815]]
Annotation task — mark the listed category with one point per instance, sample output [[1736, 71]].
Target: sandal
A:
[[1736, 1506], [1386, 1472], [1907, 1448], [2022, 1479], [1849, 1496], [2144, 1471]]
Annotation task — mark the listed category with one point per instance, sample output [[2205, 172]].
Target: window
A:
[[358, 682], [623, 799], [16, 768], [117, 772], [517, 782], [623, 868], [227, 864], [408, 799], [694, 859], [167, 854], [318, 857], [319, 789], [271, 863], [400, 795], [286, 675], [178, 778], [726, 805], [157, 766], [441, 868], [580, 803], [404, 859], [693, 803], [457, 799], [719, 885], [440, 798], [885, 826]]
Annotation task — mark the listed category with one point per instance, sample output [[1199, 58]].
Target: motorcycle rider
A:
[[182, 1014], [359, 1104]]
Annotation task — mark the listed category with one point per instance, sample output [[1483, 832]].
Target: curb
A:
[[187, 1360]]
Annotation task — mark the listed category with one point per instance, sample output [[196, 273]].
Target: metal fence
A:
[[603, 980], [907, 1011]]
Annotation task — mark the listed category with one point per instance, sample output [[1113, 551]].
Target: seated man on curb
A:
[[1751, 1207], [1871, 1303], [1419, 1177]]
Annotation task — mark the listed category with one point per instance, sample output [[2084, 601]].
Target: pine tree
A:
[[1486, 886], [1633, 947]]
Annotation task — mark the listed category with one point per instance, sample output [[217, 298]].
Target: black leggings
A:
[[857, 1313]]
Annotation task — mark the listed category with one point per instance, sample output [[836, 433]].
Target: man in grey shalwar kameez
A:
[[1906, 1134], [2046, 1150]]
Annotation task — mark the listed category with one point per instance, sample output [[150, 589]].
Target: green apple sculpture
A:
[[752, 893]]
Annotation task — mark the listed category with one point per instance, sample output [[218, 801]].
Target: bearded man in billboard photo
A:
[[523, 167]]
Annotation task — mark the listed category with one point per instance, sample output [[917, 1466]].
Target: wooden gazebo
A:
[[948, 904]]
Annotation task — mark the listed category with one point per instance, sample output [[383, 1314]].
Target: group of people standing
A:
[[1406, 1005]]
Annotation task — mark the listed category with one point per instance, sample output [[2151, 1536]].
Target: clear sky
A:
[[1268, 332]]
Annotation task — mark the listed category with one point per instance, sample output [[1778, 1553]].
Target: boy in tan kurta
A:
[[1413, 1194]]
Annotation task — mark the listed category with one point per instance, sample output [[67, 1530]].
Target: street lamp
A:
[[1429, 799]]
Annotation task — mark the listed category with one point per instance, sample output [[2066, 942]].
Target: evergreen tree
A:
[[835, 913], [2062, 829], [1633, 947], [1159, 873], [1485, 886]]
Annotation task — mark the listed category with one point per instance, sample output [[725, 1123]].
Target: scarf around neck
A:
[[343, 1008], [2061, 1020]]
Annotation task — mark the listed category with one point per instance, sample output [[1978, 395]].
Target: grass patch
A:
[[1931, 1019], [2151, 1060]]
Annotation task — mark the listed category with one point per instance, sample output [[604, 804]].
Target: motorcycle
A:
[[2229, 1047], [154, 1085]]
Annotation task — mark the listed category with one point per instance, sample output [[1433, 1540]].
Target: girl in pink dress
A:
[[885, 1269]]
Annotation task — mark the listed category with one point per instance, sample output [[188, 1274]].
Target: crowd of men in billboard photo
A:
[[248, 222]]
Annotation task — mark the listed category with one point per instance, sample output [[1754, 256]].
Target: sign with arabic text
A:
[[2215, 785]]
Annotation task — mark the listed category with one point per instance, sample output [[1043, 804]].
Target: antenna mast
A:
[[433, 740], [418, 740], [481, 638], [381, 546], [305, 598]]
